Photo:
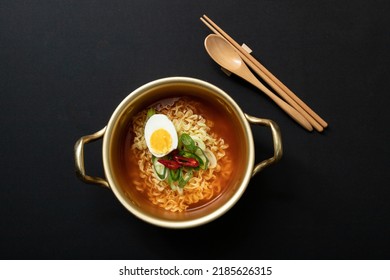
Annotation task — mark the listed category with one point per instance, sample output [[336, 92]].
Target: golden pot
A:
[[114, 133]]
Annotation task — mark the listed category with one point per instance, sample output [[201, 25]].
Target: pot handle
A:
[[277, 139], [79, 158]]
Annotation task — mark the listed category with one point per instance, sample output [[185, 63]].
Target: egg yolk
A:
[[161, 141]]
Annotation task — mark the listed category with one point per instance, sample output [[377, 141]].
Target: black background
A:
[[66, 65]]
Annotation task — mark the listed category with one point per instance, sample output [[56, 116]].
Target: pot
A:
[[113, 137]]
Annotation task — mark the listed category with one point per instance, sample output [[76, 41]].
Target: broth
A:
[[224, 127]]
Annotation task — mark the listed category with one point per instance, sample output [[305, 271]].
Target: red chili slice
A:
[[170, 164], [184, 161]]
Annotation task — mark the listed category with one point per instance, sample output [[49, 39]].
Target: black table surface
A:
[[66, 65]]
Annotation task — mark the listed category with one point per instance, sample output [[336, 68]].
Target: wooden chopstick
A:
[[317, 122]]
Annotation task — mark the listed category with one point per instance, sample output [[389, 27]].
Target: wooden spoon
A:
[[226, 56]]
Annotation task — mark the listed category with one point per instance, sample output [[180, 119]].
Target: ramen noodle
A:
[[205, 184]]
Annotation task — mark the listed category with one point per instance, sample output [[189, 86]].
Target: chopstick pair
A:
[[315, 120]]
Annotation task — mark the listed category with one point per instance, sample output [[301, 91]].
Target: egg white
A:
[[160, 121]]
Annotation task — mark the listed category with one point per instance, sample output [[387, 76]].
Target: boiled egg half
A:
[[160, 135]]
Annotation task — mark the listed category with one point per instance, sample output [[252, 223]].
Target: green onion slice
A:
[[199, 142], [171, 179], [204, 160], [175, 174], [159, 169], [150, 113], [188, 142], [185, 178], [211, 158]]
